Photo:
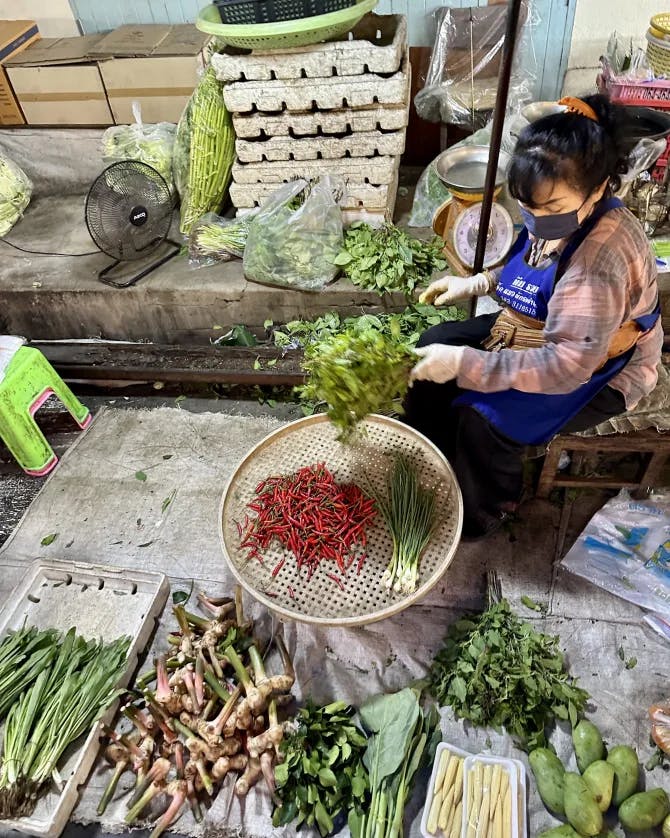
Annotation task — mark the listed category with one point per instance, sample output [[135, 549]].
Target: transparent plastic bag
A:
[[431, 193], [294, 238], [215, 239], [625, 549], [150, 144], [204, 152], [16, 189], [462, 80]]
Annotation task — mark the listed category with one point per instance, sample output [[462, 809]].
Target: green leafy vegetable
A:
[[239, 335], [322, 776], [49, 539], [496, 671], [214, 239], [356, 375], [141, 476], [403, 738], [406, 327], [388, 259]]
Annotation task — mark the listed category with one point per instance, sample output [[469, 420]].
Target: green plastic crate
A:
[[284, 33]]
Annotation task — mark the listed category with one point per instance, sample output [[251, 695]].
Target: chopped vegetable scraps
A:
[[312, 516]]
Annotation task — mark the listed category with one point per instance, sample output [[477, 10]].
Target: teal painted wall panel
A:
[[550, 39]]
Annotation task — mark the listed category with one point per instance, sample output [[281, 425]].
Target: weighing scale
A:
[[463, 172]]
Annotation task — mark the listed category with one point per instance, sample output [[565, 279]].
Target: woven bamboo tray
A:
[[364, 598]]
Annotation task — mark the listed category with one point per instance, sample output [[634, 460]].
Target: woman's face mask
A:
[[558, 225]]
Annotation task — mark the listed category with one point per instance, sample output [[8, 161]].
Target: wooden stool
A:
[[651, 442]]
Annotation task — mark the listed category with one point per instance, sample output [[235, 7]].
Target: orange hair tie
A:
[[573, 105]]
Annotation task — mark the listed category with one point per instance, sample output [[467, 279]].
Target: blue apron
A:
[[534, 418]]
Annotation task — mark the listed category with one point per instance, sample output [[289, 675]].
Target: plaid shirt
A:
[[610, 279]]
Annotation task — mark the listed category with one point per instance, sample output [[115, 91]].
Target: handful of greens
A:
[[388, 259], [322, 774], [150, 144], [403, 739], [356, 375], [496, 671]]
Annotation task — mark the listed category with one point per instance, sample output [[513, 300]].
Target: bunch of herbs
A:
[[322, 777], [497, 671], [388, 259], [355, 375]]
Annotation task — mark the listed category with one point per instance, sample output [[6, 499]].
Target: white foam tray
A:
[[376, 45], [100, 602]]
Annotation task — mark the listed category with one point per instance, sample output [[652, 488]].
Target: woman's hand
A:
[[448, 289], [439, 363]]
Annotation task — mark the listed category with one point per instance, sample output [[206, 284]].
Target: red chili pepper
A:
[[336, 579], [278, 567]]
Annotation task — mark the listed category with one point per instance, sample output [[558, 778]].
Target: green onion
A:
[[409, 511], [67, 697]]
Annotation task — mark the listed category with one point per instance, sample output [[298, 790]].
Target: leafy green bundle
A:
[[69, 694], [496, 671], [388, 259], [322, 776], [356, 375], [403, 738]]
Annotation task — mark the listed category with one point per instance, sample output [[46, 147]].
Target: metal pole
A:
[[513, 14]]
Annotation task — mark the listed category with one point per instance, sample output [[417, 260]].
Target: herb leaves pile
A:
[[496, 671], [322, 777], [406, 326], [388, 259]]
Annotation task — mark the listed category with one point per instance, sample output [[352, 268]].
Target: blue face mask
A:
[[560, 225]]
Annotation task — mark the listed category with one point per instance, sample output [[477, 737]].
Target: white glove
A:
[[439, 363], [447, 289]]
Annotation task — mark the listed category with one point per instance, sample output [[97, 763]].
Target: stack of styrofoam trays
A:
[[339, 108]]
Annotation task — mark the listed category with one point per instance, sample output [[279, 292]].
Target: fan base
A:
[[107, 274]]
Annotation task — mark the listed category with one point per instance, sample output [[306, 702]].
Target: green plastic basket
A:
[[284, 33]]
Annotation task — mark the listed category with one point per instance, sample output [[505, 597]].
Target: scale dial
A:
[[499, 239]]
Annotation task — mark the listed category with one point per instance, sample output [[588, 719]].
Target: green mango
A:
[[599, 777], [589, 745], [581, 808], [549, 775], [623, 760], [666, 827], [565, 831], [644, 810]]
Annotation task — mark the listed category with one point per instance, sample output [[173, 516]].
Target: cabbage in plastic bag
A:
[[16, 190], [150, 144]]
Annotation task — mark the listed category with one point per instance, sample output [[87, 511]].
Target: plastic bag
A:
[[295, 237], [16, 190], [204, 152], [625, 549], [150, 144], [215, 239], [431, 193], [462, 80]]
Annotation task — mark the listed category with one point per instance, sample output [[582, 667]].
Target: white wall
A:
[[594, 22], [54, 17]]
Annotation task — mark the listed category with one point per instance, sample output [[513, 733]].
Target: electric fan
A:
[[128, 214]]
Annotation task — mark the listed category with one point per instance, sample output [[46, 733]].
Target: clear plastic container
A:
[[492, 796], [438, 804]]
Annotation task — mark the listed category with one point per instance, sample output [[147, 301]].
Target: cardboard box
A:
[[15, 36], [154, 65], [57, 84]]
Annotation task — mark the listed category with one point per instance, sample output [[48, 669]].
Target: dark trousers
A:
[[488, 464]]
